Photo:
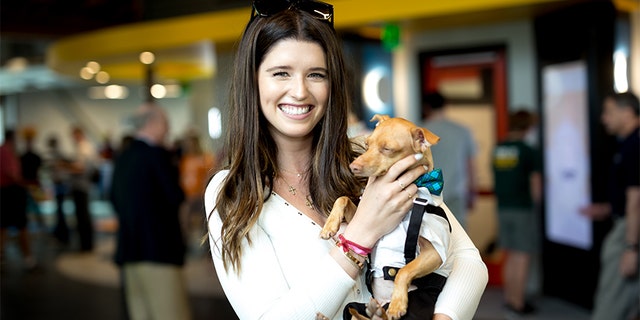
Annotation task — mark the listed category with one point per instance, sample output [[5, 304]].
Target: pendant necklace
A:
[[298, 174], [307, 199]]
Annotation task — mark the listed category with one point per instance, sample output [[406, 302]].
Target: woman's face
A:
[[294, 88]]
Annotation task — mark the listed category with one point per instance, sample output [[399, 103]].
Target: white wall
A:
[[635, 53]]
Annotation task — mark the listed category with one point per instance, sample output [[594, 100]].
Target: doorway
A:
[[473, 81]]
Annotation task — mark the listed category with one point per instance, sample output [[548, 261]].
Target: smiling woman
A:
[[288, 161]]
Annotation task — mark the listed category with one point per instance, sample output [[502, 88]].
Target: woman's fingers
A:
[[386, 200], [401, 168]]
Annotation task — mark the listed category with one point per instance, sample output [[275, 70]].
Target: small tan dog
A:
[[393, 139]]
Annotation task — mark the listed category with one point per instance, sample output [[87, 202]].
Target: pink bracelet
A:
[[350, 245]]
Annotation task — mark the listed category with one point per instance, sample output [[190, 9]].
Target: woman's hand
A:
[[629, 263], [385, 201], [596, 211]]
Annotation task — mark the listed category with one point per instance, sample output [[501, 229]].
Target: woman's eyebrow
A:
[[278, 68]]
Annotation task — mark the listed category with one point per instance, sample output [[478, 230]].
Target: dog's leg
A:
[[356, 316], [342, 205], [320, 316], [372, 308], [426, 262]]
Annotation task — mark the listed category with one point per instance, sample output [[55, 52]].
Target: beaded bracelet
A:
[[350, 245]]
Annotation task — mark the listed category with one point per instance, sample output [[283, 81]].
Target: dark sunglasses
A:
[[319, 10]]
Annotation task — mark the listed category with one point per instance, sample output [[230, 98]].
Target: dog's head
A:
[[392, 140]]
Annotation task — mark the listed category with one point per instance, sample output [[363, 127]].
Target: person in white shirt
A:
[[289, 157]]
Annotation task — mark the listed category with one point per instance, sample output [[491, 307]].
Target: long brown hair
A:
[[251, 148]]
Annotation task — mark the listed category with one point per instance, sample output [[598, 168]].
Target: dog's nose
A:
[[355, 168]]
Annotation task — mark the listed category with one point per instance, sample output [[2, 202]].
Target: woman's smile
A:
[[295, 110]]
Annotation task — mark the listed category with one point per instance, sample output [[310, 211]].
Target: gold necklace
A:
[[307, 199], [298, 174]]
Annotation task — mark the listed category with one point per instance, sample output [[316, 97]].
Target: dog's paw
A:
[[327, 233], [375, 310], [397, 309], [320, 316]]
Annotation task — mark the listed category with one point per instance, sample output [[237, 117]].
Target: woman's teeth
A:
[[295, 110]]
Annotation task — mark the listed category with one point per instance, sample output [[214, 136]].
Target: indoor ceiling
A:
[[40, 35], [29, 27]]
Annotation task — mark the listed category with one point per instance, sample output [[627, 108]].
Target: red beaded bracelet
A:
[[350, 245]]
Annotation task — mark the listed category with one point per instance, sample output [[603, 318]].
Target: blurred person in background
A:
[[518, 187], [31, 163], [81, 169], [105, 166], [618, 291], [55, 163], [146, 196], [454, 153], [356, 127], [13, 200], [196, 167]]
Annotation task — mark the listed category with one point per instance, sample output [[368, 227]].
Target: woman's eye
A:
[[280, 74], [318, 76]]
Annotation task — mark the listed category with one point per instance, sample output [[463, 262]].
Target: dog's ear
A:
[[424, 138], [431, 137], [379, 117]]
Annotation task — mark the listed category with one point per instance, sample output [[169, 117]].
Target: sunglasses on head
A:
[[319, 10]]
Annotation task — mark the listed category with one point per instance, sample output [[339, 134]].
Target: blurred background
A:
[[91, 63]]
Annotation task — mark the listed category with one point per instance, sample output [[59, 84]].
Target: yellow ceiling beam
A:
[[627, 5], [224, 28]]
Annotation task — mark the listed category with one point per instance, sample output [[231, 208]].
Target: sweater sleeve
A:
[[261, 290], [461, 294]]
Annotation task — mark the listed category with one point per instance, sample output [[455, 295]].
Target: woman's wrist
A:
[[352, 263], [364, 239], [348, 245]]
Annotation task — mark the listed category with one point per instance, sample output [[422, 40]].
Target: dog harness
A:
[[420, 206]]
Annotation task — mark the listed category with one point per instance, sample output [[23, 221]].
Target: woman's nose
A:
[[299, 88]]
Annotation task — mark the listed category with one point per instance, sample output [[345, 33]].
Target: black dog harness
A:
[[420, 206]]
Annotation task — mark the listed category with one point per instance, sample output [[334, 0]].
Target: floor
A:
[[70, 285]]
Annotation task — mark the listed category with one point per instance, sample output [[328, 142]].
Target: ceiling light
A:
[[93, 67], [147, 57], [102, 77]]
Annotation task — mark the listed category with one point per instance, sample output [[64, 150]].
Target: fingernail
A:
[[425, 167], [418, 156]]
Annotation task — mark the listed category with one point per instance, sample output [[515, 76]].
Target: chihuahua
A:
[[394, 139]]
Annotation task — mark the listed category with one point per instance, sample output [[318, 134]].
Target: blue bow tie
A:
[[432, 181]]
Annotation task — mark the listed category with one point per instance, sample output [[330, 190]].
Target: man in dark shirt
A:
[[618, 292], [146, 196]]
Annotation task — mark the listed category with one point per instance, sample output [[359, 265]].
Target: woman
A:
[[289, 160]]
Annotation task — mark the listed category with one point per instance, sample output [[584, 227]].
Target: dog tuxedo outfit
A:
[[399, 247]]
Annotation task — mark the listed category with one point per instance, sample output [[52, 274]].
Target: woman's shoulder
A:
[[214, 185]]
